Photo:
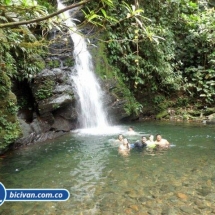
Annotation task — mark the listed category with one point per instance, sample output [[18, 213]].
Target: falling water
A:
[[90, 94]]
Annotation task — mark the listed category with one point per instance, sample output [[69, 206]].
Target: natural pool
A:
[[100, 181]]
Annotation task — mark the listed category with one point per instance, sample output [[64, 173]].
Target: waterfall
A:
[[90, 95]]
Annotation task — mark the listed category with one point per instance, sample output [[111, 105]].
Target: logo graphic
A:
[[2, 193], [32, 194]]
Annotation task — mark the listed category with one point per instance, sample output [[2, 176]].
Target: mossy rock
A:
[[45, 89], [9, 125], [102, 67], [9, 133], [53, 63], [5, 84], [209, 111], [69, 62], [3, 36], [8, 107], [162, 114]]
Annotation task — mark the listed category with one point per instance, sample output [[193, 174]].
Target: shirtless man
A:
[[162, 143]]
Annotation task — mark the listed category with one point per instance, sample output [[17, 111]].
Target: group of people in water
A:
[[150, 144]]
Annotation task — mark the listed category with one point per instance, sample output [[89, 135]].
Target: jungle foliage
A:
[[166, 52], [24, 27], [161, 53], [20, 59], [159, 49]]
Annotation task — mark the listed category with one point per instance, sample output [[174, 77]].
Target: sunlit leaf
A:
[[103, 12]]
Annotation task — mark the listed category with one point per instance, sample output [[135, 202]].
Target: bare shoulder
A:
[[167, 142]]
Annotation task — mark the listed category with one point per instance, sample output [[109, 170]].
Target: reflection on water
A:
[[100, 181]]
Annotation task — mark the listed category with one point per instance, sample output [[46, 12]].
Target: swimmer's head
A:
[[120, 137], [158, 137], [144, 139], [151, 137], [130, 129]]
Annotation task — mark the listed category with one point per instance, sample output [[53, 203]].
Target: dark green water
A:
[[101, 181]]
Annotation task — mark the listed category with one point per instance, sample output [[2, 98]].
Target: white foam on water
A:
[[106, 130]]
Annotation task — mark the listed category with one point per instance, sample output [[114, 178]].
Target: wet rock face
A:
[[55, 107], [53, 103], [52, 89], [114, 102]]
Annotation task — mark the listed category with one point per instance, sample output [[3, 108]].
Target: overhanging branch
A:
[[13, 24]]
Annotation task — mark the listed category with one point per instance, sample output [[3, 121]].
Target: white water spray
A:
[[91, 114]]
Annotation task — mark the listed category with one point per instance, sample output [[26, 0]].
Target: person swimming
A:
[[162, 143], [140, 144], [131, 131], [125, 147], [150, 142], [120, 138]]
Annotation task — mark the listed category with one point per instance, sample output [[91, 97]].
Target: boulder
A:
[[210, 119]]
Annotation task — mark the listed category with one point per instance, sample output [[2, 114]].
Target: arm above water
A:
[[167, 144], [163, 143]]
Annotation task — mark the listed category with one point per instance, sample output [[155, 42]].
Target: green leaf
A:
[[7, 2], [108, 2], [93, 16], [104, 13]]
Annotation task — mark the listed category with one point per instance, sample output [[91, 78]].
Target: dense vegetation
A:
[[162, 53], [166, 55], [20, 60]]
